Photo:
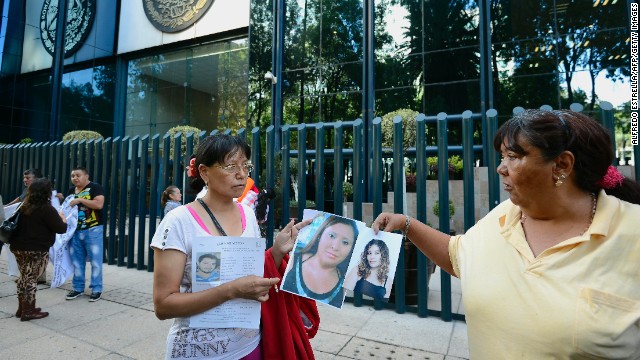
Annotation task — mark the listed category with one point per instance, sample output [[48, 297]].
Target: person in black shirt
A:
[[38, 223], [88, 238]]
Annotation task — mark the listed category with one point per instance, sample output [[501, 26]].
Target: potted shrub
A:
[[80, 135], [347, 190], [408, 128], [185, 130], [452, 211]]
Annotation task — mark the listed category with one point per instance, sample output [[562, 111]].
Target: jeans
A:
[[87, 243]]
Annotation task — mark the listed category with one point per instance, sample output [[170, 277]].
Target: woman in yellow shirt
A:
[[553, 271]]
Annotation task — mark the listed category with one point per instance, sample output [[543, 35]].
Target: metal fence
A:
[[134, 172]]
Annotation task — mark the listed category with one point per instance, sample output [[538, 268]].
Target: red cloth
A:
[[284, 336]]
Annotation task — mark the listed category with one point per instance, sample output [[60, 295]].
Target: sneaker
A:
[[73, 294], [95, 296]]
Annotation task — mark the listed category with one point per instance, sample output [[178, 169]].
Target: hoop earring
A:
[[559, 180]]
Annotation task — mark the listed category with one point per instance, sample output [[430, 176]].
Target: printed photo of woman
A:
[[371, 276], [319, 268]]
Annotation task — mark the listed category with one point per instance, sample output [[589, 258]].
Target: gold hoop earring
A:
[[560, 179]]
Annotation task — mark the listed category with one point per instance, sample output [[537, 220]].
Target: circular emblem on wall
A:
[[175, 15], [80, 16]]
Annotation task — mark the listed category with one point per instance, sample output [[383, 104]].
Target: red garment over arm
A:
[[284, 336]]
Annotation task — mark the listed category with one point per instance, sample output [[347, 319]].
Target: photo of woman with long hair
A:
[[371, 276], [319, 268]]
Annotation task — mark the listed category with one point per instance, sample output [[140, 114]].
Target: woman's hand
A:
[[389, 222], [64, 218], [285, 240], [253, 287]]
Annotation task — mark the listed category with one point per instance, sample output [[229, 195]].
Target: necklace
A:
[[594, 202]]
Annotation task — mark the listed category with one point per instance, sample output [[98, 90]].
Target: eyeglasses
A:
[[234, 169]]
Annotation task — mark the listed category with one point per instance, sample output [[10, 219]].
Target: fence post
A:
[[320, 163], [115, 161], [133, 188], [467, 170], [338, 167], [176, 179], [122, 206], [82, 147], [104, 167], [285, 173], [184, 160], [577, 107], [255, 155], [399, 208], [494, 178], [166, 158], [377, 166], [423, 263], [358, 168], [608, 123], [443, 199], [142, 200], [66, 167], [73, 156], [153, 193], [271, 153], [302, 170]]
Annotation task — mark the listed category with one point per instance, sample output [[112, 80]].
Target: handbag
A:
[[9, 227]]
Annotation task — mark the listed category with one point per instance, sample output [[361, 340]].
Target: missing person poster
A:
[[220, 259], [326, 256]]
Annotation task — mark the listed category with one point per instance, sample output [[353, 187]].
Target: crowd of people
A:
[[550, 272]]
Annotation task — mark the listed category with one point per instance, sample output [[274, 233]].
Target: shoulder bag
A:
[[9, 227]]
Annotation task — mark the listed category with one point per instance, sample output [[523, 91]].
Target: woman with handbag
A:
[[35, 234]]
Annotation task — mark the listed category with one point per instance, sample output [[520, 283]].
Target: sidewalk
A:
[[122, 326]]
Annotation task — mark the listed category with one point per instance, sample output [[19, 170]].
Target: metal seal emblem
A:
[[175, 15], [80, 17]]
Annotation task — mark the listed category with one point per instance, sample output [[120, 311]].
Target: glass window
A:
[[560, 52], [426, 54], [87, 100], [204, 86]]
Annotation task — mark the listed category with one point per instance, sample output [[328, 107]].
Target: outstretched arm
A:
[[433, 243]]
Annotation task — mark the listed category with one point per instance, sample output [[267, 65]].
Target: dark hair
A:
[[80, 168], [312, 246], [38, 194], [364, 268], [262, 203], [165, 194], [553, 132], [216, 149], [33, 171]]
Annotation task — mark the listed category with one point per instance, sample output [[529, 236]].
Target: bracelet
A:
[[406, 225]]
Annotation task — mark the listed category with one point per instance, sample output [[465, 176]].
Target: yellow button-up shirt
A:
[[579, 299]]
